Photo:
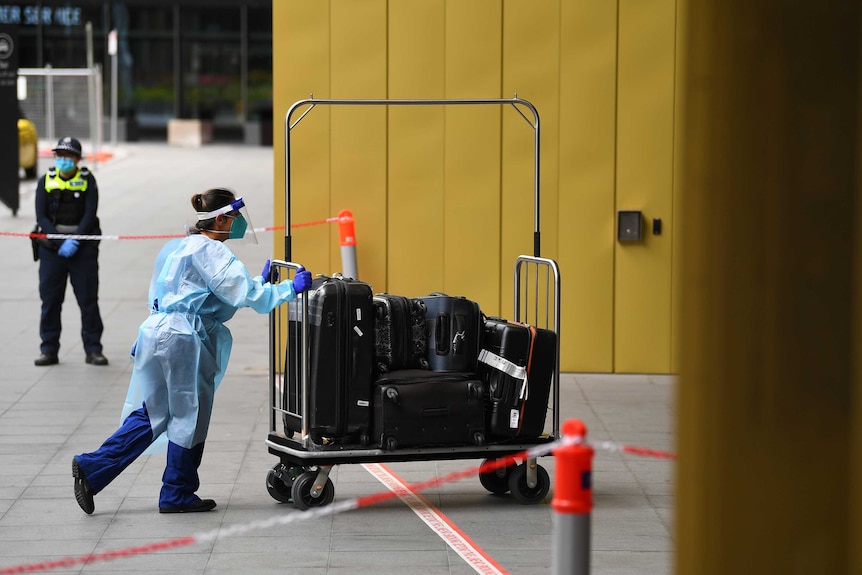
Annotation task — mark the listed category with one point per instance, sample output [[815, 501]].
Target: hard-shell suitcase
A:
[[454, 330], [399, 333], [341, 355], [517, 363], [421, 408]]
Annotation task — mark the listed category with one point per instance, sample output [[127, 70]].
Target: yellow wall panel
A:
[[358, 161], [588, 52], [416, 148], [301, 51], [531, 59], [645, 182], [472, 153]]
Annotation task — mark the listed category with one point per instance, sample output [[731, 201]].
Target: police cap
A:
[[68, 144]]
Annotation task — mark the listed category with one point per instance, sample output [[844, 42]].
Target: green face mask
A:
[[237, 228]]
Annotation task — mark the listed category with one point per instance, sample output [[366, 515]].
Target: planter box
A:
[[189, 133]]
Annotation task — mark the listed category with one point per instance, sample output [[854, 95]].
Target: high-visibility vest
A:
[[67, 196]]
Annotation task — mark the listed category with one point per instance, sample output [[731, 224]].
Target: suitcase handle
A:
[[441, 335]]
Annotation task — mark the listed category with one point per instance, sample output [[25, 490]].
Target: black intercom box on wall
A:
[[629, 226]]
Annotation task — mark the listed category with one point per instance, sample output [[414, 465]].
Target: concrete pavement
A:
[[47, 414]]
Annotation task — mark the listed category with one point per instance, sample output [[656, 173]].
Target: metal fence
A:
[[65, 102]]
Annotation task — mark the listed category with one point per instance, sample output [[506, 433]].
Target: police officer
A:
[[66, 202]]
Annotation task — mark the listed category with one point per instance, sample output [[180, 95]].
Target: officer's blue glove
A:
[[302, 280], [265, 272], [68, 248]]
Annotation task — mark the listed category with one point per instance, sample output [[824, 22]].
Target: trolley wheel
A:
[[302, 497], [522, 492], [496, 481], [279, 482]]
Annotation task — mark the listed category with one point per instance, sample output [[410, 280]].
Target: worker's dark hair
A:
[[208, 201]]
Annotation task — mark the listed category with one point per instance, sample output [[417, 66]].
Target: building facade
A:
[[199, 59]]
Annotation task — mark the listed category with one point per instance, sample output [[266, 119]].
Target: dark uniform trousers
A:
[[82, 270], [180, 479]]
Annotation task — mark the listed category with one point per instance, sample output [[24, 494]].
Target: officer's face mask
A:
[[64, 164]]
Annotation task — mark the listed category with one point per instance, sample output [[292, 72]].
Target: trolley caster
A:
[[496, 481], [307, 494], [521, 490], [279, 482]]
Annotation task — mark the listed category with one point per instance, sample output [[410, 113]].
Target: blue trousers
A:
[[82, 270], [180, 480]]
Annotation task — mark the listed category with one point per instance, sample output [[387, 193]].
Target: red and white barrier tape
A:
[[632, 450], [149, 237], [332, 509]]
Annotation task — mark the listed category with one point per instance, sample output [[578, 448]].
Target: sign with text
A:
[[15, 14], [9, 117]]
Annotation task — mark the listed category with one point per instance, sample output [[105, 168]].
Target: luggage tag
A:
[[514, 416], [511, 369]]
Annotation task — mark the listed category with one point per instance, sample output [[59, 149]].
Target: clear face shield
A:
[[241, 228]]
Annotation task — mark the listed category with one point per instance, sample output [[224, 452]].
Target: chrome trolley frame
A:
[[302, 475]]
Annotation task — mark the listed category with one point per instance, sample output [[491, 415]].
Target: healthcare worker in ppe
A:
[[182, 351]]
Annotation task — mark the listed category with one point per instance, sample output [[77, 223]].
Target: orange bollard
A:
[[347, 239], [572, 503]]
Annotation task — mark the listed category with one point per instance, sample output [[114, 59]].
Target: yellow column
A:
[[766, 401]]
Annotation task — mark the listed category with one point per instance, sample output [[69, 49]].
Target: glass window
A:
[[260, 65], [211, 67], [145, 56]]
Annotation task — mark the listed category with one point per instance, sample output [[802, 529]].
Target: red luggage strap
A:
[[529, 367]]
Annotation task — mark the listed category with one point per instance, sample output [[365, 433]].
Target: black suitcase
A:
[[517, 364], [423, 409], [341, 355], [454, 330], [399, 333]]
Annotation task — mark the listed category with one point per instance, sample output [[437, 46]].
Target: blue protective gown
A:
[[182, 349]]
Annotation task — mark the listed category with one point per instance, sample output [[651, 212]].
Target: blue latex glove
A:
[[68, 248], [302, 280], [265, 272]]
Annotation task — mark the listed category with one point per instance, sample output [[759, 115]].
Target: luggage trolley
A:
[[302, 474]]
